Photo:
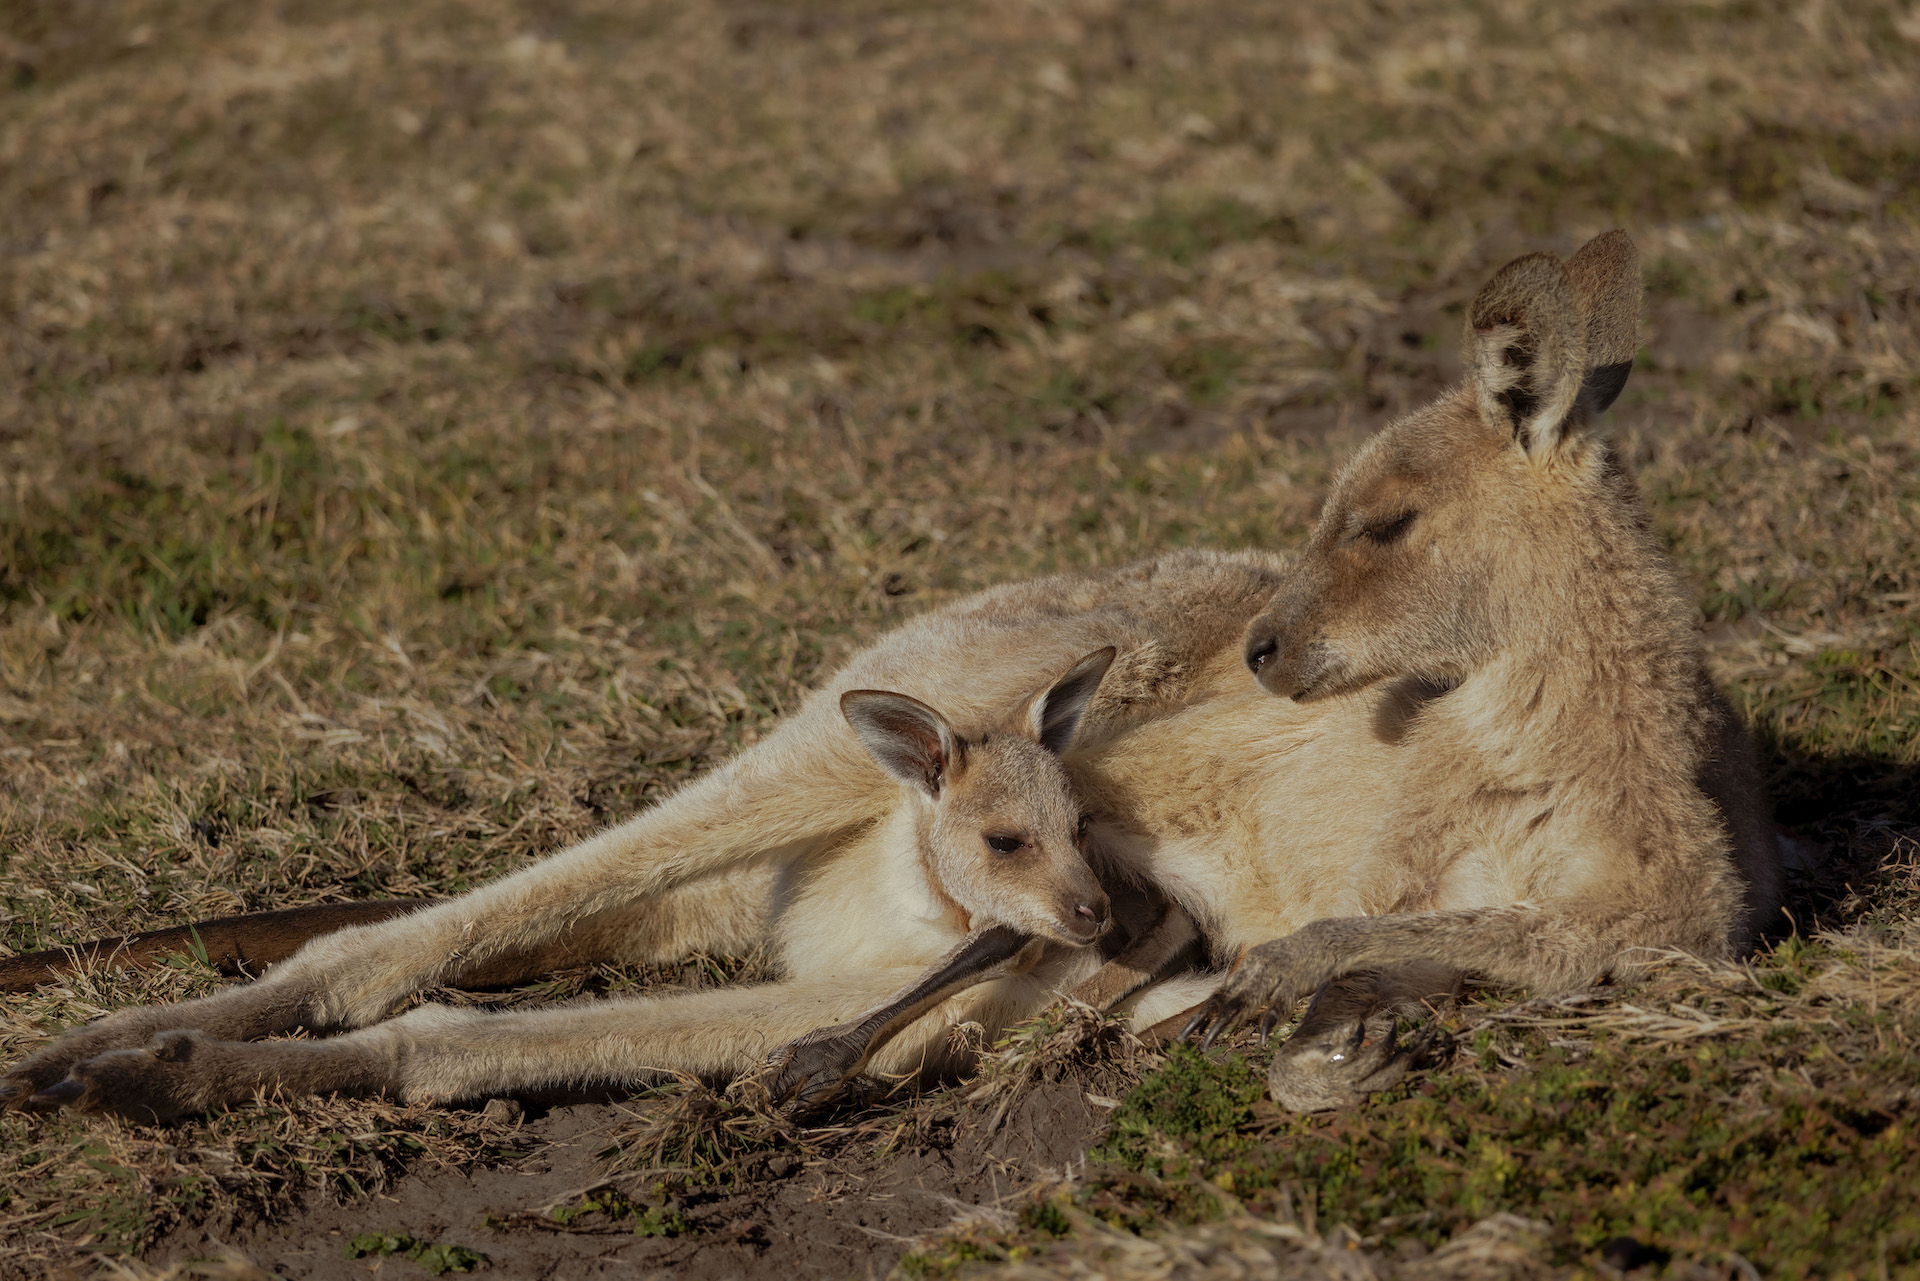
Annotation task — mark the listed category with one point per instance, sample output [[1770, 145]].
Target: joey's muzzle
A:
[[1084, 917]]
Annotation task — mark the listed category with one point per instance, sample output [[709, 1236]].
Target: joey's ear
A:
[[1527, 346], [911, 741], [1054, 717], [1605, 275]]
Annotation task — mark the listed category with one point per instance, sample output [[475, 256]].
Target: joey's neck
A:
[[926, 868]]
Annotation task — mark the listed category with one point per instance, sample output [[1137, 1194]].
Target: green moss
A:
[[436, 1259], [1677, 1146]]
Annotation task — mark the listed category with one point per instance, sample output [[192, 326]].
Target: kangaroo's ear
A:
[[1527, 344], [1054, 717], [911, 741], [1605, 275]]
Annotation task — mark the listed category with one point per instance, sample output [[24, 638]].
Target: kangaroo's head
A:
[[1452, 527], [1001, 830]]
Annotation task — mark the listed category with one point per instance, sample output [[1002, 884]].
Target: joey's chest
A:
[[870, 906]]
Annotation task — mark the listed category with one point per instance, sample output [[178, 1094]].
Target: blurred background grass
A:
[[430, 431]]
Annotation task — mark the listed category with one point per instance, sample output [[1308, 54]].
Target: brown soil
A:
[[850, 1214]]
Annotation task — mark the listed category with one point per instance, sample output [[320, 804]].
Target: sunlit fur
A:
[[1488, 745], [892, 895]]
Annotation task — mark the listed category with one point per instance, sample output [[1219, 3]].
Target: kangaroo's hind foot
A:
[[1348, 1043]]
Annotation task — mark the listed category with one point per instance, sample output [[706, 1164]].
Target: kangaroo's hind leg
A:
[[790, 795], [1347, 1044], [357, 976], [441, 1053]]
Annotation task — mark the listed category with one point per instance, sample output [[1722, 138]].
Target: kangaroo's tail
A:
[[233, 944]]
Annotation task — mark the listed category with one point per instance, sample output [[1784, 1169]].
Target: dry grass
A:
[[430, 432]]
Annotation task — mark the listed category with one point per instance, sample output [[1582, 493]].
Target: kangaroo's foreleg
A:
[[441, 1053], [1547, 947], [1141, 962], [1347, 1045]]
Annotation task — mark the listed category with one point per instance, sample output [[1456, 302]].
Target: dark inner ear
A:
[[910, 740], [1605, 276], [1057, 715], [1601, 387]]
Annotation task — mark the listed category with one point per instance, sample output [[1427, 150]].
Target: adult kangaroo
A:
[[1482, 739], [1495, 750]]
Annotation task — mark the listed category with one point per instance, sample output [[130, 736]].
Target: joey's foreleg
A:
[[817, 1065], [1140, 962], [813, 1067], [439, 1053], [1548, 947]]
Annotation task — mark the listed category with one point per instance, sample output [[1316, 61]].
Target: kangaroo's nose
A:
[[1086, 910], [1258, 652]]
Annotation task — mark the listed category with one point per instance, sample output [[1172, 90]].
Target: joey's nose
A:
[[1090, 916], [1260, 652]]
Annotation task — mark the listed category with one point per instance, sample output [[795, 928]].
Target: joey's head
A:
[[1450, 530], [1002, 831]]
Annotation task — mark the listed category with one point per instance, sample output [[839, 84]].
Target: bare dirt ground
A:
[[430, 432], [845, 1215]]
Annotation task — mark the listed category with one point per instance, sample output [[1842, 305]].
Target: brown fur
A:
[[1579, 793], [1494, 750]]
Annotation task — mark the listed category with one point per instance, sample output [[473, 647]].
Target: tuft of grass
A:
[[691, 1136]]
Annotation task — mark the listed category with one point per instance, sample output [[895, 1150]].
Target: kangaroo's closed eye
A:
[[1388, 530], [1003, 844]]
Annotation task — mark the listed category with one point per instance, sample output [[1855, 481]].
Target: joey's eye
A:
[[1085, 823], [1005, 844], [1388, 530]]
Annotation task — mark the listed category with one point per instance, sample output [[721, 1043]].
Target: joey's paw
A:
[[178, 1074], [813, 1068], [1341, 1065], [1267, 982]]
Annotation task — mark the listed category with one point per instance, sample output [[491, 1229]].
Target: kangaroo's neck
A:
[[1602, 667]]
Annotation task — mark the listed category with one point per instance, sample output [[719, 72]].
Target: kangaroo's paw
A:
[[1338, 1066], [180, 1073], [813, 1068], [1269, 981]]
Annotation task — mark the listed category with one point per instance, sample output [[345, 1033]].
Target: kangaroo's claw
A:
[[1266, 982], [178, 1074], [1339, 1067], [60, 1093]]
